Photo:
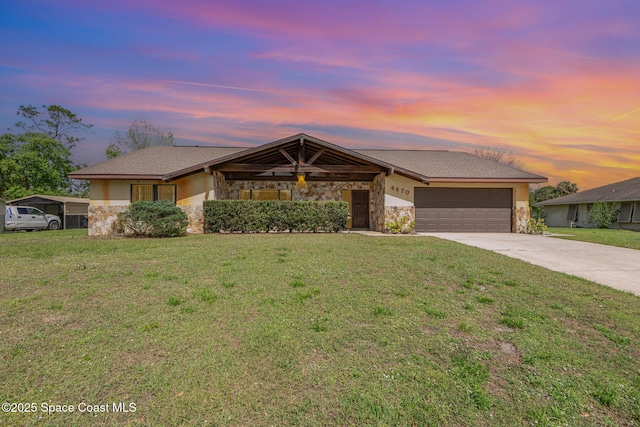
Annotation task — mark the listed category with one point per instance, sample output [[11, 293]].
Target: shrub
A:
[[602, 214], [536, 226], [274, 215], [400, 225], [161, 218]]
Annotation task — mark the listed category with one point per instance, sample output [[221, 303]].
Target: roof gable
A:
[[298, 154]]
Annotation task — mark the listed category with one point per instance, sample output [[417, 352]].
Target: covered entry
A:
[[485, 210]]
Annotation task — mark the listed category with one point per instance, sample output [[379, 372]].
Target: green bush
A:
[[400, 225], [536, 226], [602, 214], [153, 219], [274, 215]]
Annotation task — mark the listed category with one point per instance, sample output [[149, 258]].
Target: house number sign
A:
[[400, 190]]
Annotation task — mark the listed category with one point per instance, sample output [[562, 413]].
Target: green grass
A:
[[308, 329], [611, 237]]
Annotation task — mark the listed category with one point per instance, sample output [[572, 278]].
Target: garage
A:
[[482, 210]]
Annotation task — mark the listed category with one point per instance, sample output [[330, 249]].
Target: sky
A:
[[557, 83]]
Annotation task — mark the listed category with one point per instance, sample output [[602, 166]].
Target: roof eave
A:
[[585, 202], [116, 176], [492, 180]]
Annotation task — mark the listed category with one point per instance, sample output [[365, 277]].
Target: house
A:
[[571, 210], [441, 190], [73, 211]]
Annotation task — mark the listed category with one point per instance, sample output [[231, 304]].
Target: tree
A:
[[602, 214], [56, 122], [33, 163], [565, 188], [498, 154], [549, 192], [141, 134]]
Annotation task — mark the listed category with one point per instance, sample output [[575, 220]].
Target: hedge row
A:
[[274, 215]]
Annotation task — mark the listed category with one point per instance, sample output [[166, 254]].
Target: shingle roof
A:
[[163, 162], [623, 191], [446, 165], [154, 162]]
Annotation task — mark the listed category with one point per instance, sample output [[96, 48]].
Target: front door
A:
[[360, 209]]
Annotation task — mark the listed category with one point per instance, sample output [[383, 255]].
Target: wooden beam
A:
[[263, 167], [352, 168], [301, 155], [315, 156], [246, 167], [284, 153]]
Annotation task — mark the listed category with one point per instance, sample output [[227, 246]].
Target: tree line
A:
[[36, 156]]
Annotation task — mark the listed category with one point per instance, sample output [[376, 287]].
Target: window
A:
[[152, 192], [264, 195], [625, 212], [636, 212], [572, 215], [30, 211]]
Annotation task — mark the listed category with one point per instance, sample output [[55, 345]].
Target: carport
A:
[[73, 211], [3, 209]]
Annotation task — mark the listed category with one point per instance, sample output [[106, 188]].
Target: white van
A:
[[28, 218]]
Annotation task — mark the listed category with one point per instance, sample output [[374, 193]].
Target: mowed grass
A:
[[611, 237], [308, 329]]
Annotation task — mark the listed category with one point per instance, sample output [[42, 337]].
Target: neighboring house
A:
[[73, 211], [571, 210], [441, 190]]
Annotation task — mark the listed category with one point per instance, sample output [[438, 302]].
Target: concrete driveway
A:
[[607, 265]]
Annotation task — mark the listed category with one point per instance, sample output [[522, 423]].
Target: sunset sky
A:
[[556, 82]]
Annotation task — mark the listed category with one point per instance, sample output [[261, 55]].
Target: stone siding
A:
[[219, 186], [521, 217], [396, 213], [101, 219], [196, 219], [314, 191], [377, 203]]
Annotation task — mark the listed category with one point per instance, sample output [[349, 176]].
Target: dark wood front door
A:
[[360, 209]]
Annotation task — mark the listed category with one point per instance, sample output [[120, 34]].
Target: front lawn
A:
[[307, 329], [611, 237]]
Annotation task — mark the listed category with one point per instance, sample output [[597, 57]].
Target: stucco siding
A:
[[193, 190], [556, 216], [400, 197]]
